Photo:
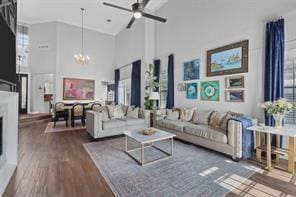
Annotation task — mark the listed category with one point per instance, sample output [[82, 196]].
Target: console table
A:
[[287, 130]]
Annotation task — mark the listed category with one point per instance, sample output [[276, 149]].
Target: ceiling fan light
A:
[[137, 14]]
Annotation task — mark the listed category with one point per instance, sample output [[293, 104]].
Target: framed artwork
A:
[[78, 89], [181, 87], [230, 59], [191, 90], [191, 70], [235, 82], [210, 91], [235, 95]]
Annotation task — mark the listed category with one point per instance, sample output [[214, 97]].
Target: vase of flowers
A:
[[277, 109]]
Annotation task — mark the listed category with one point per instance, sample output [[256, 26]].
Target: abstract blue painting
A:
[[191, 70], [191, 90]]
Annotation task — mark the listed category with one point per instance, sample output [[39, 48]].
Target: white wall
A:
[[42, 61], [101, 49], [52, 49], [206, 25], [136, 43]]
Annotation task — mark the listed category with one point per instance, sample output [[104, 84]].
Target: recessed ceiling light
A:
[[109, 20]]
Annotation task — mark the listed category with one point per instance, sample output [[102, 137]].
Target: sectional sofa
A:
[[224, 137]]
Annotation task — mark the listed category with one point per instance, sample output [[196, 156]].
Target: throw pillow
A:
[[216, 119], [172, 114], [226, 118], [115, 111], [132, 112], [124, 108], [186, 114], [105, 115], [201, 117], [103, 111]]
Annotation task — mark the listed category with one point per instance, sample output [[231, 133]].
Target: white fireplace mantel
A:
[[9, 112]]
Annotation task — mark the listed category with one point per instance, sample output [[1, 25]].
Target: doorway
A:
[[22, 88]]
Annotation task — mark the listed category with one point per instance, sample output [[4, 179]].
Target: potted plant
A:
[[151, 85], [278, 110]]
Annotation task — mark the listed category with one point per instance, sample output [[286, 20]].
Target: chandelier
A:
[[81, 58]]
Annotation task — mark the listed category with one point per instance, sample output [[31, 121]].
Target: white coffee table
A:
[[147, 141]]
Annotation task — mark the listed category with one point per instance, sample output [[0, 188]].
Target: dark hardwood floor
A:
[[56, 164]]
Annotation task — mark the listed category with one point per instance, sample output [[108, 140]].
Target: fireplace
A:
[[1, 137], [8, 136]]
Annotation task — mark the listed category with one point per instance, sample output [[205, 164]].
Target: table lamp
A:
[[154, 96]]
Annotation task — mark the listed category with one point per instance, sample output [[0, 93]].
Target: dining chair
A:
[[96, 107], [77, 112], [60, 113], [89, 105]]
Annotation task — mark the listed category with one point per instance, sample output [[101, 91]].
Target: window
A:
[[163, 81], [22, 45], [290, 83], [124, 92]]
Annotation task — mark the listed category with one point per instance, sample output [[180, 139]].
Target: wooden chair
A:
[[89, 105], [78, 112], [59, 113], [96, 107]]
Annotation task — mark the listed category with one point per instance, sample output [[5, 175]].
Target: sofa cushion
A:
[[207, 132], [201, 117], [186, 114], [216, 119], [115, 111], [134, 121], [172, 114], [175, 125], [103, 110], [132, 112], [124, 108], [112, 124]]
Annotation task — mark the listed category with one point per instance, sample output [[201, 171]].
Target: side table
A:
[[287, 130]]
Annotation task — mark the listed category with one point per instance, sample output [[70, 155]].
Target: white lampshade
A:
[[154, 96]]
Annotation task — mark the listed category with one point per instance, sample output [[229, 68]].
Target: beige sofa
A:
[[227, 141], [99, 126]]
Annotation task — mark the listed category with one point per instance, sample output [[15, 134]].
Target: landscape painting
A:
[[191, 90], [235, 95], [235, 82], [191, 70], [229, 59], [210, 91], [78, 89]]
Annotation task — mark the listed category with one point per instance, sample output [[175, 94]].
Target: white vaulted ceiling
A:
[[68, 11]]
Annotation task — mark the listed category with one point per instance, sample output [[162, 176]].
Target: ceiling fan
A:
[[138, 12]]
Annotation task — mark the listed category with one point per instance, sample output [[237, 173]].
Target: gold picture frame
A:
[[235, 82], [235, 96], [78, 89]]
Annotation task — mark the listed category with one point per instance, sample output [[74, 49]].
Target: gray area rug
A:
[[192, 171]]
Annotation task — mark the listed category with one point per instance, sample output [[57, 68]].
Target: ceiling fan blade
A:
[[130, 23], [116, 6], [154, 17], [144, 3]]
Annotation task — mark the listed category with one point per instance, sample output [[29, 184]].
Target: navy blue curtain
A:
[[136, 84], [274, 64], [117, 78], [170, 93], [156, 74]]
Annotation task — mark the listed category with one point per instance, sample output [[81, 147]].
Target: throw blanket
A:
[[247, 137]]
